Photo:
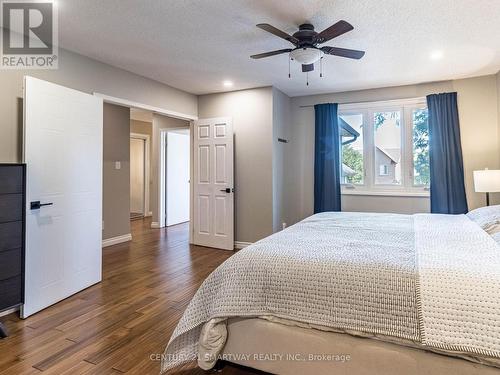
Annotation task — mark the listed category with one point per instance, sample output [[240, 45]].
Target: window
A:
[[383, 170], [385, 147], [351, 130], [387, 142], [421, 173]]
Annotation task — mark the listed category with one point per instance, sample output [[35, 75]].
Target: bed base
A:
[[367, 356]]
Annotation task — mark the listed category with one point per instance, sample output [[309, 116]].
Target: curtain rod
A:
[[368, 101], [312, 105]]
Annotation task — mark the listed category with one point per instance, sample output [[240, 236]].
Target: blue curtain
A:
[[326, 159], [445, 153]]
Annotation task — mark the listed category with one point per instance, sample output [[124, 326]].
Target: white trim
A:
[[10, 311], [155, 225], [162, 166], [116, 240], [149, 214], [132, 104], [147, 168], [191, 183], [238, 245]]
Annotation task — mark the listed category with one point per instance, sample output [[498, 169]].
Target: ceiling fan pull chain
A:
[[321, 68], [307, 79], [289, 60]]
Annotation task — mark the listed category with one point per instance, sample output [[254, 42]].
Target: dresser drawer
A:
[[11, 235], [11, 179], [11, 207], [11, 263], [11, 292]]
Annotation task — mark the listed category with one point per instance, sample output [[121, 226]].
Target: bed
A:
[[352, 293]]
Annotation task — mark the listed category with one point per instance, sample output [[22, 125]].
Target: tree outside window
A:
[[421, 172], [353, 159]]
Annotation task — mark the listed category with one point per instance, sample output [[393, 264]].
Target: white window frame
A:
[[367, 109]]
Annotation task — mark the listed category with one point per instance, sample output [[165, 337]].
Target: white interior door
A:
[[137, 174], [63, 153], [213, 203], [178, 154]]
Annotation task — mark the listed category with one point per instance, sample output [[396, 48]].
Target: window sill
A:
[[386, 193]]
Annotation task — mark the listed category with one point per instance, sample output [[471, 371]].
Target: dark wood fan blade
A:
[[272, 53], [333, 31], [273, 30], [343, 52], [307, 67]]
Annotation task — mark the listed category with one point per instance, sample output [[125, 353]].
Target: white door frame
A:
[[147, 167], [131, 104], [162, 168], [160, 111]]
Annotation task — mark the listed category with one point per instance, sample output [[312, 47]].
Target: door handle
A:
[[36, 205], [227, 190]]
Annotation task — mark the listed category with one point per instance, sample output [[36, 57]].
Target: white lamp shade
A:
[[306, 55], [487, 181]]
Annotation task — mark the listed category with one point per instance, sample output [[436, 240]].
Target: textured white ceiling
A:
[[195, 45]]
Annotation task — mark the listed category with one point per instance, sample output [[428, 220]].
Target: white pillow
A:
[[487, 218]]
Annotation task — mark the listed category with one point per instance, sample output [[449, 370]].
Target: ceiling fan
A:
[[306, 42]]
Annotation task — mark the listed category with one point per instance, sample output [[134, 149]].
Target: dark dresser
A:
[[12, 229]]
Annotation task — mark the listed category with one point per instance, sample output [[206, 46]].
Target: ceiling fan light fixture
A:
[[306, 55]]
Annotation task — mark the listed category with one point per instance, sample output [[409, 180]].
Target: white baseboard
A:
[[149, 214], [9, 311], [155, 225], [238, 245], [116, 240]]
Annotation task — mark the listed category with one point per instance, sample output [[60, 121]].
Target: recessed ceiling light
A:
[[227, 83], [436, 55]]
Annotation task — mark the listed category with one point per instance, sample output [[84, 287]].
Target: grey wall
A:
[[146, 128], [394, 204], [479, 124], [252, 115], [116, 183], [159, 123], [281, 129], [86, 75], [479, 127]]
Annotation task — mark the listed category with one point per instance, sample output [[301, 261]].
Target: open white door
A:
[[63, 153], [178, 154], [213, 203]]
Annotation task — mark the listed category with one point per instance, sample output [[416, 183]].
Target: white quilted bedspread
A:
[[459, 279], [429, 279]]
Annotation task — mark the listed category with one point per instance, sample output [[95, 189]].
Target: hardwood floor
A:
[[115, 326]]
